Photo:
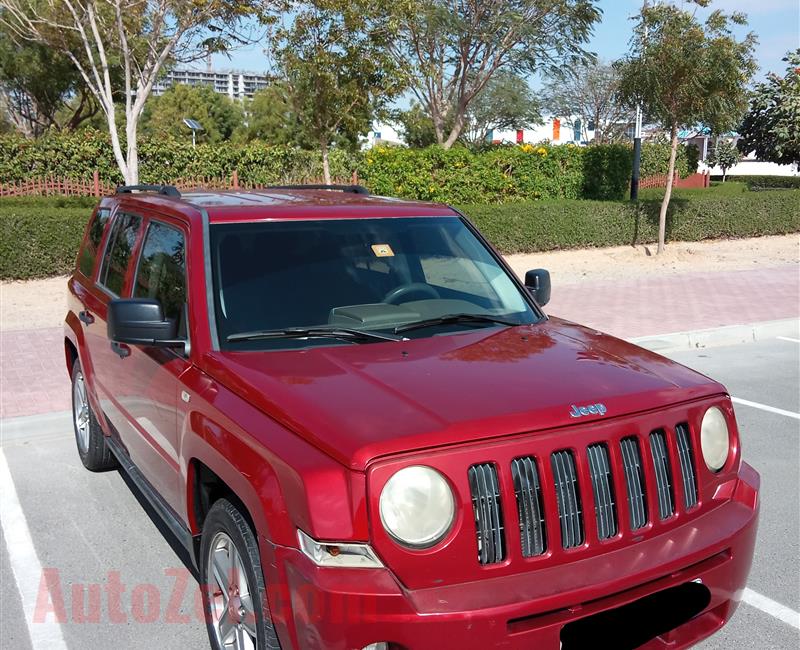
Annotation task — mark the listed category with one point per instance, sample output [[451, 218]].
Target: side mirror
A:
[[140, 321], [538, 283]]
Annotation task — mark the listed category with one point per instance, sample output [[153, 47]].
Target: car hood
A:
[[361, 402]]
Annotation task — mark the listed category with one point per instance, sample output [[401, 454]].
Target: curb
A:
[[717, 336]]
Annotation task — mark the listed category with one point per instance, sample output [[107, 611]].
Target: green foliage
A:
[[771, 128], [416, 126], [724, 155], [271, 118], [217, 114], [507, 102], [459, 175], [39, 240], [607, 171], [338, 70], [765, 182], [549, 225], [655, 159], [684, 72]]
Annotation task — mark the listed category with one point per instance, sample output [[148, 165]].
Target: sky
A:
[[776, 22]]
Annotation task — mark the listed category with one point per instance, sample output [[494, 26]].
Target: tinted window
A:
[[162, 269], [121, 241], [92, 244], [366, 273]]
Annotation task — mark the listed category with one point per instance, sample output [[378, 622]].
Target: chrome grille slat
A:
[[529, 506], [605, 507], [488, 513], [634, 480], [569, 508], [658, 449], [687, 465]]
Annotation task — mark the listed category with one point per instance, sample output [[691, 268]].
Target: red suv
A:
[[369, 435]]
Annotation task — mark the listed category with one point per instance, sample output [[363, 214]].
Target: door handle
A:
[[121, 349], [86, 317]]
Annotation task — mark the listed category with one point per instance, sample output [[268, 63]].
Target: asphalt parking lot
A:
[[115, 581]]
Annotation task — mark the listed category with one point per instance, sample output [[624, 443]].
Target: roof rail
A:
[[353, 189], [165, 190]]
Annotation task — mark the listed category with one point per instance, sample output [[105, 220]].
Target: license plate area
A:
[[640, 621]]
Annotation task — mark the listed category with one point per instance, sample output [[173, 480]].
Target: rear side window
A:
[[119, 249], [90, 247], [162, 269]]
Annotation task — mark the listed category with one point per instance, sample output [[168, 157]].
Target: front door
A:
[[151, 374]]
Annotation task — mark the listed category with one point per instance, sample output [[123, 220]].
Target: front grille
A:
[[687, 466], [595, 481], [658, 447], [603, 490], [528, 492], [488, 513], [634, 480], [569, 498]]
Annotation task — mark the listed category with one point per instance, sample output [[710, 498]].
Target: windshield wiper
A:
[[344, 333], [453, 318]]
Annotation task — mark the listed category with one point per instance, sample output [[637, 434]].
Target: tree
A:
[[138, 36], [588, 92], [416, 126], [684, 72], [271, 118], [452, 48], [40, 88], [506, 102], [219, 115], [771, 127], [724, 155], [338, 71]]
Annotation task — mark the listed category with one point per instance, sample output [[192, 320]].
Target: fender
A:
[[273, 471]]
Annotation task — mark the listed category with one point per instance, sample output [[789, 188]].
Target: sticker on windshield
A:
[[382, 250]]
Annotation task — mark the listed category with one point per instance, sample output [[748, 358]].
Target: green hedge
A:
[[497, 174], [763, 182], [552, 225], [41, 239]]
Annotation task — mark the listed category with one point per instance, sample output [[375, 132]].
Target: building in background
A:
[[234, 84]]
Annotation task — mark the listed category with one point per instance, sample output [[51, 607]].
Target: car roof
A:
[[283, 203]]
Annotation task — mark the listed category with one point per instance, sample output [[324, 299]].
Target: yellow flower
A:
[[541, 151], [527, 148]]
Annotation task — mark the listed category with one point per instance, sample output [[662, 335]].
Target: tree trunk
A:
[[326, 168], [458, 125], [132, 177], [116, 147], [662, 217]]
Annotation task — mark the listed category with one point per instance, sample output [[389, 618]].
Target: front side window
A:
[[375, 275], [92, 244], [162, 269], [121, 241]]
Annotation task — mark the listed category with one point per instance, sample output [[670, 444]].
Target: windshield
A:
[[377, 275]]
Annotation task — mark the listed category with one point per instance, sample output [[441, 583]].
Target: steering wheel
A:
[[395, 295]]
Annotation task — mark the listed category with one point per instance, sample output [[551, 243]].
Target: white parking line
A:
[[774, 609], [24, 563], [764, 407], [786, 338]]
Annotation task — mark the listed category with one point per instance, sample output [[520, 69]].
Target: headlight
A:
[[417, 506], [714, 439]]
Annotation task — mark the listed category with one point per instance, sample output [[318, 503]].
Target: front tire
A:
[[232, 583], [92, 449]]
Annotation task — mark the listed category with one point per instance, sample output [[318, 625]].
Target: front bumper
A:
[[350, 608]]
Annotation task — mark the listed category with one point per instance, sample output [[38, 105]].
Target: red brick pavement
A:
[[33, 378]]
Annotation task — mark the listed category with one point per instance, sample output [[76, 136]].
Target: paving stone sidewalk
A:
[[33, 378]]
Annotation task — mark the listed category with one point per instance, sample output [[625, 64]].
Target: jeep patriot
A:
[[368, 434]]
